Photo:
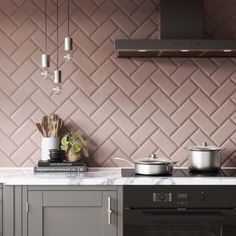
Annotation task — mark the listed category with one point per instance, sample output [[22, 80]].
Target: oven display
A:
[[182, 196], [162, 197]]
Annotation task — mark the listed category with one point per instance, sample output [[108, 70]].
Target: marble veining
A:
[[100, 176]]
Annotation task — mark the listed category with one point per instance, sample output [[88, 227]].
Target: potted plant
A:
[[74, 146]]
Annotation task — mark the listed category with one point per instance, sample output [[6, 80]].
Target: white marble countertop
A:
[[101, 176]]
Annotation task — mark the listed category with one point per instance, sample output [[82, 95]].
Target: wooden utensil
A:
[[40, 129]]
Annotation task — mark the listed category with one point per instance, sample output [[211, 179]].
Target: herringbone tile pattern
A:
[[125, 107]]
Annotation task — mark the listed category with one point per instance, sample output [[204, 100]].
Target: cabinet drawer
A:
[[72, 198]]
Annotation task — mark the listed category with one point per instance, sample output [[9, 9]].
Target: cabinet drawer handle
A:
[[109, 210]]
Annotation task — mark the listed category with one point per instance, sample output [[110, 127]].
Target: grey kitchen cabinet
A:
[[63, 211]]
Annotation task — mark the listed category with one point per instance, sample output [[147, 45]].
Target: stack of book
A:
[[60, 166]]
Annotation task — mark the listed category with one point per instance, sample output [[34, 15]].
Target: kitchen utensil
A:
[[151, 166], [204, 158], [40, 128]]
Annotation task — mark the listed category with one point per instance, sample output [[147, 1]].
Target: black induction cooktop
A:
[[185, 173]]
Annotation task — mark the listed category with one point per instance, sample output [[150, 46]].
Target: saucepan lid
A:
[[154, 160], [205, 147]]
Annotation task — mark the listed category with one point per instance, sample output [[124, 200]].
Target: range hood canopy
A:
[[181, 35]]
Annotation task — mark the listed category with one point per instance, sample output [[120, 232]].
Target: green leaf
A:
[[64, 147], [76, 147], [86, 152], [64, 141]]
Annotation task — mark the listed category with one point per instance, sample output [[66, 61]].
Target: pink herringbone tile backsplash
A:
[[125, 107]]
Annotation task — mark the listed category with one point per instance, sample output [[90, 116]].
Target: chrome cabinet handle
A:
[[109, 210]]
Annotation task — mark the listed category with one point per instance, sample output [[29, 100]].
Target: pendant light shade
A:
[[45, 59], [68, 42]]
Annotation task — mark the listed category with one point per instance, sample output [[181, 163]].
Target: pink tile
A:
[[103, 13], [7, 125], [183, 72], [164, 102], [103, 92], [123, 102], [224, 112], [206, 65], [23, 52], [144, 92], [143, 12], [23, 153], [203, 122], [184, 92], [205, 103], [104, 152], [145, 150], [24, 112], [24, 72], [166, 65], [104, 132], [223, 93], [223, 72], [184, 112], [143, 132], [144, 112], [104, 112], [7, 145], [124, 83], [84, 82], [24, 132], [43, 102], [184, 132], [84, 103], [163, 82], [123, 122], [164, 122], [103, 72], [7, 84], [143, 73], [203, 82], [23, 12], [164, 143], [124, 143], [124, 22], [103, 32], [7, 65], [6, 104], [9, 25], [224, 132], [23, 32]]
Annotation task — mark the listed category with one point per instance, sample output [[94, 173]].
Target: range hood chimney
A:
[[181, 35]]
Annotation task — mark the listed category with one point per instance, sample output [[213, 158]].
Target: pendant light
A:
[[45, 60], [68, 43], [57, 73]]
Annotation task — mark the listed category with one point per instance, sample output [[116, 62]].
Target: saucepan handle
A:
[[123, 159]]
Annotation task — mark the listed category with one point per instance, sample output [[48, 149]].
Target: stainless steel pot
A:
[[151, 166], [204, 158]]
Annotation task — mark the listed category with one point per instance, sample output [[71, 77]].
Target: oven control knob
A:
[[202, 196]]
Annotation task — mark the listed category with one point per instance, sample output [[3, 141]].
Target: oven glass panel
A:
[[173, 230]]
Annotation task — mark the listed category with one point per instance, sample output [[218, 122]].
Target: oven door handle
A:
[[184, 215]]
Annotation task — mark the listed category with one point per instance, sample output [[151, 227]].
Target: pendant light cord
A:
[[68, 16], [57, 35], [45, 26]]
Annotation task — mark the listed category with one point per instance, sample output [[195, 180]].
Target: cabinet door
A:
[[72, 213]]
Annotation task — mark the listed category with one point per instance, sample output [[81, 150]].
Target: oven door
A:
[[176, 222]]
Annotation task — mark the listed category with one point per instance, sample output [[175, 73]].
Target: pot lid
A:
[[153, 160], [204, 147]]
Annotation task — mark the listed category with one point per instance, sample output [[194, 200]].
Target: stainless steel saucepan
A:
[[204, 158], [151, 166]]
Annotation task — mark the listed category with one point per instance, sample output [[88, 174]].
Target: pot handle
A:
[[122, 159]]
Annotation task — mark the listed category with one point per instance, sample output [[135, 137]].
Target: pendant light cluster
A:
[[68, 47]]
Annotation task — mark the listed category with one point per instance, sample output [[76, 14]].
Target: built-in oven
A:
[[179, 211]]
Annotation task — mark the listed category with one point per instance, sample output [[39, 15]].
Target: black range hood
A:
[[181, 35]]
